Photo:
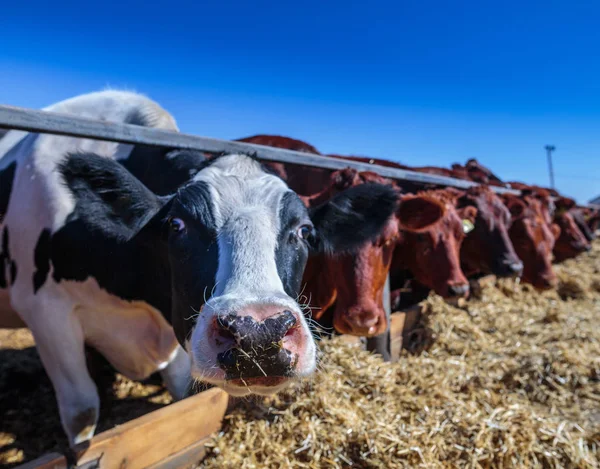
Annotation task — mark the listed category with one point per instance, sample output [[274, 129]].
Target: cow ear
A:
[[418, 213], [555, 230], [515, 206], [185, 164], [353, 217], [107, 196]]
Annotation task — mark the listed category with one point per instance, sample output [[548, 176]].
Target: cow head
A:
[[546, 206], [571, 241], [580, 219], [488, 248], [592, 219], [353, 281], [430, 243], [533, 239], [228, 250]]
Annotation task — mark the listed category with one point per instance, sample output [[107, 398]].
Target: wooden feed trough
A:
[[171, 437]]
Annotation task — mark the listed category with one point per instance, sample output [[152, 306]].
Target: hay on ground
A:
[[511, 379]]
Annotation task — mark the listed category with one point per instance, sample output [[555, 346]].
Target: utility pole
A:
[[549, 150]]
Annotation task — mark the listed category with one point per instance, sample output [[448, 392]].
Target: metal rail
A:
[[31, 120]]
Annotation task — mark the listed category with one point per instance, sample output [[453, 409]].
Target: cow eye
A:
[[305, 231], [176, 225]]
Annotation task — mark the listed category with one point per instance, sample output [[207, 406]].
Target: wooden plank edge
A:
[[401, 324], [47, 461], [184, 458], [110, 449]]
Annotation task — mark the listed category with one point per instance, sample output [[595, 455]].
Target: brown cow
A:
[[571, 241], [476, 172], [533, 238], [350, 287], [592, 218], [458, 174], [579, 215], [307, 179], [543, 195], [432, 255], [488, 248]]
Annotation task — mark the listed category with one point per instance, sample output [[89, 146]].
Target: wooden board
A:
[[175, 434], [401, 324], [48, 461]]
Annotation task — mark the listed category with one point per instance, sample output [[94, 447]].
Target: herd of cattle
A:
[[192, 265]]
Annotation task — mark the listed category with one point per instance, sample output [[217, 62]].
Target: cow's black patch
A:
[[6, 181], [7, 264], [292, 251], [193, 256], [4, 257], [163, 171], [106, 235], [41, 259], [13, 272]]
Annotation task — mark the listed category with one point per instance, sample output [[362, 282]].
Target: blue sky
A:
[[422, 82]]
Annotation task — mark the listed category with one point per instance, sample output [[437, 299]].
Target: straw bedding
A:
[[511, 379]]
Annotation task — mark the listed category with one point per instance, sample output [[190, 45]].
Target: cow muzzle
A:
[[509, 268], [256, 352], [360, 321], [458, 291], [251, 347]]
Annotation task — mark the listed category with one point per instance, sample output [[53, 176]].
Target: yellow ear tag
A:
[[467, 226]]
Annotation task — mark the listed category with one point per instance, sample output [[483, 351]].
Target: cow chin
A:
[[240, 388]]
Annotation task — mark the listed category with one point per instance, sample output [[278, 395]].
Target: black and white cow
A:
[[89, 254]]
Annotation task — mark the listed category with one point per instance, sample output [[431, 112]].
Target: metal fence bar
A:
[[31, 120]]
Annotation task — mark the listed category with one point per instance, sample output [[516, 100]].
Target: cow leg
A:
[[177, 374], [60, 343]]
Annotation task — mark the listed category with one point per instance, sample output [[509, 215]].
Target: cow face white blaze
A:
[[246, 206]]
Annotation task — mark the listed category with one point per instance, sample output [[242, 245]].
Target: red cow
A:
[[592, 218], [571, 241], [478, 173], [459, 174], [533, 238], [580, 217], [472, 171], [350, 287], [488, 248], [543, 195], [432, 255], [308, 179]]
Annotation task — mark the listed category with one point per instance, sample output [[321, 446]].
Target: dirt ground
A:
[[29, 421]]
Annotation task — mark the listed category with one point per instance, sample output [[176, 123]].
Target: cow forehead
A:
[[238, 183]]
